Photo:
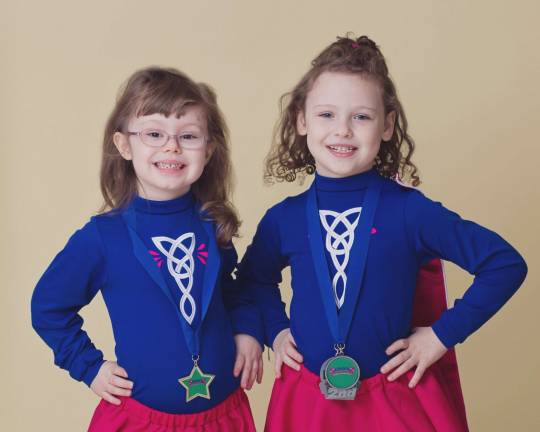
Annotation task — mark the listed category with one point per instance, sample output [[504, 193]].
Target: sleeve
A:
[[70, 282], [498, 269], [260, 275], [244, 314]]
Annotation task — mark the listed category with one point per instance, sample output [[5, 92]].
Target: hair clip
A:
[[355, 45]]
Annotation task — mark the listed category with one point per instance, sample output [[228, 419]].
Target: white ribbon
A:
[[339, 245], [181, 269]]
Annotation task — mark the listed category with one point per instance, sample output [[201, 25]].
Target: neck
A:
[[161, 195], [349, 183], [175, 205]]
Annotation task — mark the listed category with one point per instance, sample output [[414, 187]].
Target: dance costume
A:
[[321, 234], [173, 303]]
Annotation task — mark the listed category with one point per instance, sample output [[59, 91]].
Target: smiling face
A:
[[345, 122], [165, 172]]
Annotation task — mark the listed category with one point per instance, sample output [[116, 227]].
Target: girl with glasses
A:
[[162, 257]]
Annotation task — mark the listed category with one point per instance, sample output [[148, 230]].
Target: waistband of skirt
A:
[[139, 410], [366, 385]]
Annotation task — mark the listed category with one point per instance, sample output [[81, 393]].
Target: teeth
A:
[[342, 149], [164, 165]]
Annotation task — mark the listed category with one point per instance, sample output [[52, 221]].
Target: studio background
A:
[[467, 74]]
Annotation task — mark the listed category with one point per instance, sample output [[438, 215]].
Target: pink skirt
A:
[[231, 415], [298, 405], [435, 404]]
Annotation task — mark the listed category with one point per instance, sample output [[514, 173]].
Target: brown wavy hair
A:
[[289, 158], [167, 91]]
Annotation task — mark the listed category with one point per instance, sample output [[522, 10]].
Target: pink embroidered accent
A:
[[373, 230], [202, 255], [156, 257]]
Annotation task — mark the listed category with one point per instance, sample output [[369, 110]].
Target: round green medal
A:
[[342, 372], [340, 377]]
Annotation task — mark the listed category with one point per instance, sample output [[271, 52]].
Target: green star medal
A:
[[197, 383]]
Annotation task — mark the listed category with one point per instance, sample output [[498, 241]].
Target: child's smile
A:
[[342, 150], [164, 157], [170, 167], [345, 122]]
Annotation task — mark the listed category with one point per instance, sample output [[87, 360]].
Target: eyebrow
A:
[[334, 106], [157, 121]]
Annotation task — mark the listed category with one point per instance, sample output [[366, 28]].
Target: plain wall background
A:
[[467, 74]]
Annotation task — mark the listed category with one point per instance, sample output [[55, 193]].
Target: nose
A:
[[172, 145], [343, 129]]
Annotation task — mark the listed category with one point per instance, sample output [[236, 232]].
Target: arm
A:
[[70, 282], [244, 314], [246, 322], [260, 275], [498, 268]]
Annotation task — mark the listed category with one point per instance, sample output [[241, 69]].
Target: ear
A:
[[122, 145], [389, 123], [301, 127]]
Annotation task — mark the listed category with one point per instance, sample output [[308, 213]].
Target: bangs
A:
[[171, 97]]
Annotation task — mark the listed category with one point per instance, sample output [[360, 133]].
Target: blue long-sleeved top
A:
[[408, 231], [143, 299]]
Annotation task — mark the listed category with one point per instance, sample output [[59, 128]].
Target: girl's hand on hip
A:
[[248, 360], [111, 380], [420, 350], [285, 351]]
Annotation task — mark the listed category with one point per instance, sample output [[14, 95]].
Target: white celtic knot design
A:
[[181, 268], [339, 246]]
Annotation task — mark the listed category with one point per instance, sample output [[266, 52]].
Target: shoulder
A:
[[85, 242], [405, 192], [289, 206], [108, 229], [111, 216], [105, 222]]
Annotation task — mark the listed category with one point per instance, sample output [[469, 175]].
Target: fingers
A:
[[289, 361], [400, 344], [291, 338], [118, 386], [409, 364], [110, 398], [253, 374], [120, 371], [238, 365], [292, 352], [418, 374], [117, 391], [394, 362], [121, 382], [260, 370], [277, 365], [246, 372]]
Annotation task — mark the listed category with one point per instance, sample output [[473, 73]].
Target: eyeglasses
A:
[[158, 138]]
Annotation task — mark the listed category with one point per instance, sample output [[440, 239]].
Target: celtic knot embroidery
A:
[[339, 245], [181, 267]]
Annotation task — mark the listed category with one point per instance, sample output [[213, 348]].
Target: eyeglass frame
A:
[[176, 138]]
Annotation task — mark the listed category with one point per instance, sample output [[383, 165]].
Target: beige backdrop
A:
[[467, 73]]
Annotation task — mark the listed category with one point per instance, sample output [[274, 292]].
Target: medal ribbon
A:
[[340, 324], [191, 335]]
